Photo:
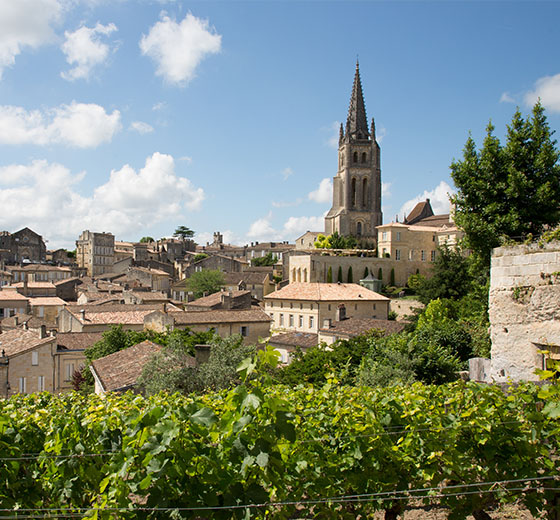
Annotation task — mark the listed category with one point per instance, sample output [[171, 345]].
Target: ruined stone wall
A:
[[524, 309]]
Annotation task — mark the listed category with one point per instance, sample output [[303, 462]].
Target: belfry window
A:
[[353, 192], [355, 157], [364, 194], [364, 157], [359, 229]]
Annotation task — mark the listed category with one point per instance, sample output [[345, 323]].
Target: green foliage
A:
[[451, 277], [183, 232], [392, 315], [71, 254], [366, 273], [144, 240], [206, 281], [415, 281], [339, 277], [392, 277], [124, 456], [267, 260], [329, 275], [350, 275], [380, 274], [335, 241], [199, 256], [510, 191]]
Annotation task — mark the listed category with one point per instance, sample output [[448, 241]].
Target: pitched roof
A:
[[356, 326], [295, 339], [31, 321], [17, 341], [249, 277], [328, 292], [121, 370], [254, 315], [215, 298], [112, 314], [11, 295], [435, 221], [34, 285], [77, 340], [421, 211], [46, 300]]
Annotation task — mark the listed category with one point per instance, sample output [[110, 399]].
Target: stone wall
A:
[[524, 309]]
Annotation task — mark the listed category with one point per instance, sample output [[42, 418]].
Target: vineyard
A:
[[265, 451]]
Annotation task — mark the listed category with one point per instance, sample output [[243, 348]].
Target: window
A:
[[244, 331], [22, 385], [281, 320], [329, 306], [355, 157], [364, 193], [398, 236], [300, 323], [353, 192], [355, 306], [384, 235], [40, 311], [291, 305], [281, 305], [433, 256], [41, 384], [311, 321], [291, 322], [301, 305], [374, 306], [364, 157], [397, 254], [359, 228], [433, 238], [69, 371], [423, 255], [34, 358]]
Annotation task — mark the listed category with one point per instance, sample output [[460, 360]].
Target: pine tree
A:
[[510, 191]]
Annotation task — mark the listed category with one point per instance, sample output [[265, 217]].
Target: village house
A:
[[259, 283], [39, 273], [95, 252], [12, 303], [305, 307], [225, 300], [22, 246]]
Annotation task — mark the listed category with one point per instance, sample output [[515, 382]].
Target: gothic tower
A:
[[356, 208]]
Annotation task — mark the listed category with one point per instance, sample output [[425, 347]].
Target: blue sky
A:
[[138, 116]]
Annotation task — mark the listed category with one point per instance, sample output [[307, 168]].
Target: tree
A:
[[144, 240], [339, 278], [366, 272], [183, 233], [329, 275], [267, 260], [350, 275], [206, 281], [380, 274], [198, 257], [450, 278], [392, 277], [510, 191]]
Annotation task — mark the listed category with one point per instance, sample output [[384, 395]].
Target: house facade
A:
[[95, 252]]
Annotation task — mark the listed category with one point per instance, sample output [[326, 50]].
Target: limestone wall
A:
[[524, 309]]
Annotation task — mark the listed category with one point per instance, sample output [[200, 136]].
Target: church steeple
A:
[[356, 124]]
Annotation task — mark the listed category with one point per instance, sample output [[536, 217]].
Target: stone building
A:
[[23, 245], [95, 252], [524, 310], [356, 208]]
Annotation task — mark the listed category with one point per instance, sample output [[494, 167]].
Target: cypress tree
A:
[[339, 274], [392, 279], [350, 276], [329, 275], [366, 272], [380, 274]]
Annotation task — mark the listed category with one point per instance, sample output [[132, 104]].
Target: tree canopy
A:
[[146, 240], [267, 260], [335, 241], [509, 191], [206, 281], [183, 232]]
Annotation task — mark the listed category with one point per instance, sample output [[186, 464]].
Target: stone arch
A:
[[305, 274], [353, 191], [355, 158], [358, 229], [364, 157], [293, 274], [299, 274], [364, 193]]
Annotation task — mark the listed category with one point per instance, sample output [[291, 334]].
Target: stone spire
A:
[[356, 124]]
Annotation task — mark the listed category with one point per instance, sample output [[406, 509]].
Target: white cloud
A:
[[141, 127], [282, 204], [159, 106], [323, 193], [79, 124], [261, 229], [287, 172], [178, 48], [334, 130], [43, 196], [297, 226], [386, 189], [506, 98], [25, 23], [380, 133], [85, 50], [547, 89], [439, 199]]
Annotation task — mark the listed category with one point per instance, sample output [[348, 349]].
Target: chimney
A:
[[341, 312], [16, 320], [43, 332], [83, 314], [25, 326], [327, 323], [201, 354]]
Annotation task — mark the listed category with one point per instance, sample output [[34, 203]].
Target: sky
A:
[[138, 116]]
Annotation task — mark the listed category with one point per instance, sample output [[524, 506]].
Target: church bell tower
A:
[[356, 208]]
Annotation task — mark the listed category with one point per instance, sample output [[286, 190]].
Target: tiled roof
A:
[[157, 272], [11, 295], [295, 339], [17, 341], [357, 326], [435, 221], [220, 316], [121, 370], [39, 267], [149, 295], [32, 322], [34, 285], [327, 292], [422, 210], [112, 314], [74, 279], [252, 278], [46, 300], [215, 299], [77, 340]]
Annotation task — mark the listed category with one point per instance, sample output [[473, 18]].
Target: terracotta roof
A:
[[17, 341], [357, 326], [420, 211], [11, 295], [120, 370], [68, 280], [220, 316], [328, 292], [149, 295], [150, 271], [46, 300], [34, 285], [39, 267], [435, 221], [252, 278], [112, 314], [295, 339], [215, 298], [77, 340], [32, 322]]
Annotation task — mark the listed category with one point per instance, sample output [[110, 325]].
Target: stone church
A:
[[356, 208]]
